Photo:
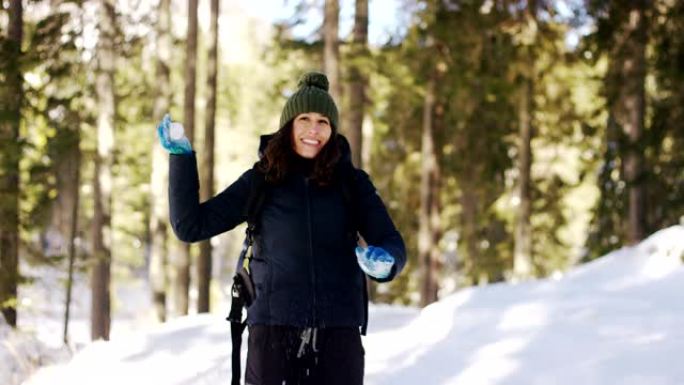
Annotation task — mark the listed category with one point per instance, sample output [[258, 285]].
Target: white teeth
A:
[[310, 141]]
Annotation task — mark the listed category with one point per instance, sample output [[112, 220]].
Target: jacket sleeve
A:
[[193, 221], [376, 226]]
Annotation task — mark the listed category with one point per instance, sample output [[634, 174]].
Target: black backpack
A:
[[243, 292]]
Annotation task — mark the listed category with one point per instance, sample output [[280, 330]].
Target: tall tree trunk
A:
[[357, 95], [522, 252], [74, 159], [182, 262], [11, 94], [435, 201], [102, 233], [66, 160], [331, 50], [207, 185], [428, 171], [628, 109], [357, 82], [471, 265], [160, 172]]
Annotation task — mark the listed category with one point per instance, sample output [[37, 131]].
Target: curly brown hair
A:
[[279, 157]]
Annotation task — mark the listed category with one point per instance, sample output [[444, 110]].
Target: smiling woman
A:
[[306, 296]]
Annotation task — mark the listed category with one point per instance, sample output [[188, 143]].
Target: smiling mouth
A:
[[311, 142]]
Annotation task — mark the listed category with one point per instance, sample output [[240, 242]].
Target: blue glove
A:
[[178, 145], [375, 261]]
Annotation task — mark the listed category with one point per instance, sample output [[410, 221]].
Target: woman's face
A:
[[310, 132]]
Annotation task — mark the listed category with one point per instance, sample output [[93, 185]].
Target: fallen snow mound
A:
[[21, 354], [617, 320]]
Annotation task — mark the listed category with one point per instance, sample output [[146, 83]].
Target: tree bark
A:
[[12, 96], [522, 252], [426, 239], [471, 266], [102, 233], [75, 174], [207, 185], [628, 110], [182, 260], [159, 217], [357, 82], [331, 50]]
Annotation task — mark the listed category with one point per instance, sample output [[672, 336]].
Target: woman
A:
[[304, 325]]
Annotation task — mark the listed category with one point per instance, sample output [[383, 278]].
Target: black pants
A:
[[276, 356]]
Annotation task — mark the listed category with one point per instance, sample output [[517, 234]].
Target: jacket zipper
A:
[[312, 269]]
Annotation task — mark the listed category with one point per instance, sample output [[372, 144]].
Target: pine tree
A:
[[620, 214], [627, 104], [666, 191]]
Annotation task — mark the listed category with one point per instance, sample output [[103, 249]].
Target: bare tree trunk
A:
[[12, 96], [628, 110], [357, 82], [190, 71], [469, 203], [207, 185], [182, 262], [425, 235], [102, 234], [435, 201], [75, 174], [522, 252], [331, 50], [160, 173]]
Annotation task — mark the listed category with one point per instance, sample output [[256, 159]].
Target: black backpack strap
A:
[[236, 330], [240, 298], [243, 289], [237, 326], [255, 201]]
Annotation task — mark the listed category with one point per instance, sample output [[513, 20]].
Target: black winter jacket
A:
[[304, 266]]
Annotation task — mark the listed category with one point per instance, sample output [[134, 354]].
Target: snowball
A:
[[176, 131]]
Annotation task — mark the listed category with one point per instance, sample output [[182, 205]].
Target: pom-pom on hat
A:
[[312, 96]]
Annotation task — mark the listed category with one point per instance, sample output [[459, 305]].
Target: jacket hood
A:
[[342, 144]]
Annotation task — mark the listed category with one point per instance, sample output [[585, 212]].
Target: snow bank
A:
[[21, 354], [617, 320]]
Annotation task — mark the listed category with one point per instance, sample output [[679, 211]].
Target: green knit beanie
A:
[[312, 96]]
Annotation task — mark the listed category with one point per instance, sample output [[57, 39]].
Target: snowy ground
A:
[[617, 320]]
